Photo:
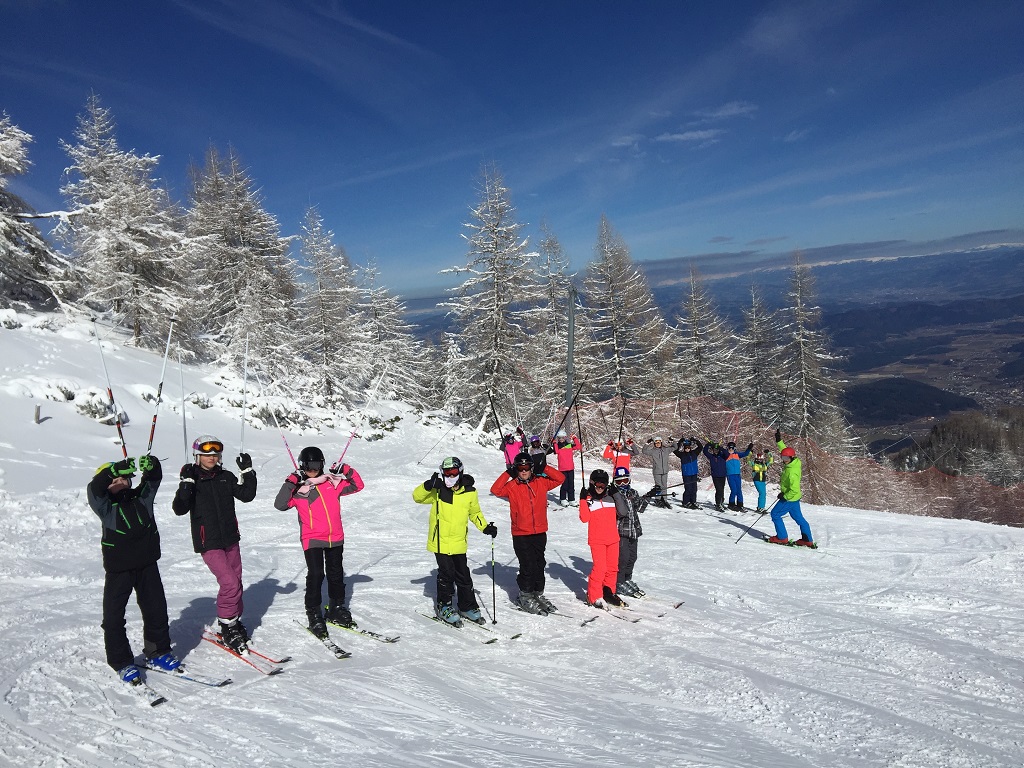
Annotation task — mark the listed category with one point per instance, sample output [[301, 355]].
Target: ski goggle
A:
[[313, 466], [622, 481], [523, 468], [451, 472], [598, 484], [210, 446]]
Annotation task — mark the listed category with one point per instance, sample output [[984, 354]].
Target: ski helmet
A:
[[560, 433], [522, 461], [207, 445], [311, 459], [599, 476], [451, 467], [535, 439], [730, 445], [789, 452], [621, 476], [657, 440]]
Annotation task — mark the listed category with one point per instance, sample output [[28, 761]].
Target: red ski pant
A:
[[605, 570]]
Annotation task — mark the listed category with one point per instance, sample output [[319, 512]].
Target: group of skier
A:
[[207, 492]]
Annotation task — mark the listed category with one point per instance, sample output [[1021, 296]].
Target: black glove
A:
[[341, 469], [244, 461], [148, 463], [650, 440], [511, 471], [491, 530], [189, 473], [750, 448], [782, 497], [124, 468], [778, 436], [612, 489], [519, 431], [432, 483], [584, 495]]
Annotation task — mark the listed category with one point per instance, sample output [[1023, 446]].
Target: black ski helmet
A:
[[449, 464], [522, 461], [311, 459], [599, 476]]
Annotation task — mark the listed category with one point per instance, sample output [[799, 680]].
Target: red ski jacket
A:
[[528, 502]]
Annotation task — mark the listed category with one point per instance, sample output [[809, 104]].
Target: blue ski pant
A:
[[735, 489], [689, 489], [791, 508], [762, 493]]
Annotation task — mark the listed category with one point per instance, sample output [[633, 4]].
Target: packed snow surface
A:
[[897, 643]]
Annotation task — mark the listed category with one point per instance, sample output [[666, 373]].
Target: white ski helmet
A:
[[207, 445]]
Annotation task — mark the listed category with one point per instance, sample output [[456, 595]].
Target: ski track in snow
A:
[[897, 644]]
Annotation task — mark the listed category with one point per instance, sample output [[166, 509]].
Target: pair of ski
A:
[[338, 651], [265, 663], [791, 544], [150, 696], [489, 641]]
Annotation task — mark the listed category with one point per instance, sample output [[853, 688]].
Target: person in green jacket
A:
[[789, 499], [454, 503]]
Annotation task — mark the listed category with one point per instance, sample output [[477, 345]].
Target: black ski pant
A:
[[149, 593], [689, 489], [627, 558], [719, 490], [321, 561], [567, 492], [453, 576], [530, 551]]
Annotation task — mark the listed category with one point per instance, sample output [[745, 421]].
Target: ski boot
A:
[[446, 612], [613, 599], [233, 635], [545, 604], [339, 614], [168, 662], [316, 623], [474, 615]]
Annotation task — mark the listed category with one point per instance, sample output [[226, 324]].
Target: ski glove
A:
[[147, 463], [433, 482], [782, 497], [188, 473], [778, 436], [584, 495], [750, 448], [294, 479], [491, 530], [341, 469], [124, 468], [244, 461]]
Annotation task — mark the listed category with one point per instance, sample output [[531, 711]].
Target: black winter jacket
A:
[[210, 502], [130, 536]]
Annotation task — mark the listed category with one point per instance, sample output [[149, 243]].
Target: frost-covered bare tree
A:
[[706, 361], [335, 338], [631, 341], [122, 229], [812, 389], [394, 353], [762, 380], [485, 307], [29, 267], [243, 283]]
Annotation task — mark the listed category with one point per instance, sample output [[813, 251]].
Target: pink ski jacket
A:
[[318, 504]]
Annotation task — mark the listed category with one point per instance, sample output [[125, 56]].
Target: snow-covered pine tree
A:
[[760, 350], [706, 361], [392, 349], [548, 325], [123, 229], [631, 341], [812, 389], [485, 307], [29, 267], [335, 338], [244, 285]]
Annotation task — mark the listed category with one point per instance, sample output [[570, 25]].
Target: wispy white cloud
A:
[[726, 111], [860, 197], [710, 134], [628, 141], [796, 135]]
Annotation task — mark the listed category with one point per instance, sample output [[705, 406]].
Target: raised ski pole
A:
[[110, 393], [273, 413], [568, 410], [579, 432], [360, 420], [756, 521], [497, 424], [622, 416], [160, 387], [435, 445], [184, 429], [245, 382]]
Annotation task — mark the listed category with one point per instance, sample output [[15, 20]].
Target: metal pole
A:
[[569, 368]]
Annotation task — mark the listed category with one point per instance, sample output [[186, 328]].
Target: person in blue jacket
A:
[[733, 466], [688, 450]]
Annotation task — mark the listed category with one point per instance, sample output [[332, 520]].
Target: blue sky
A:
[[695, 127]]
